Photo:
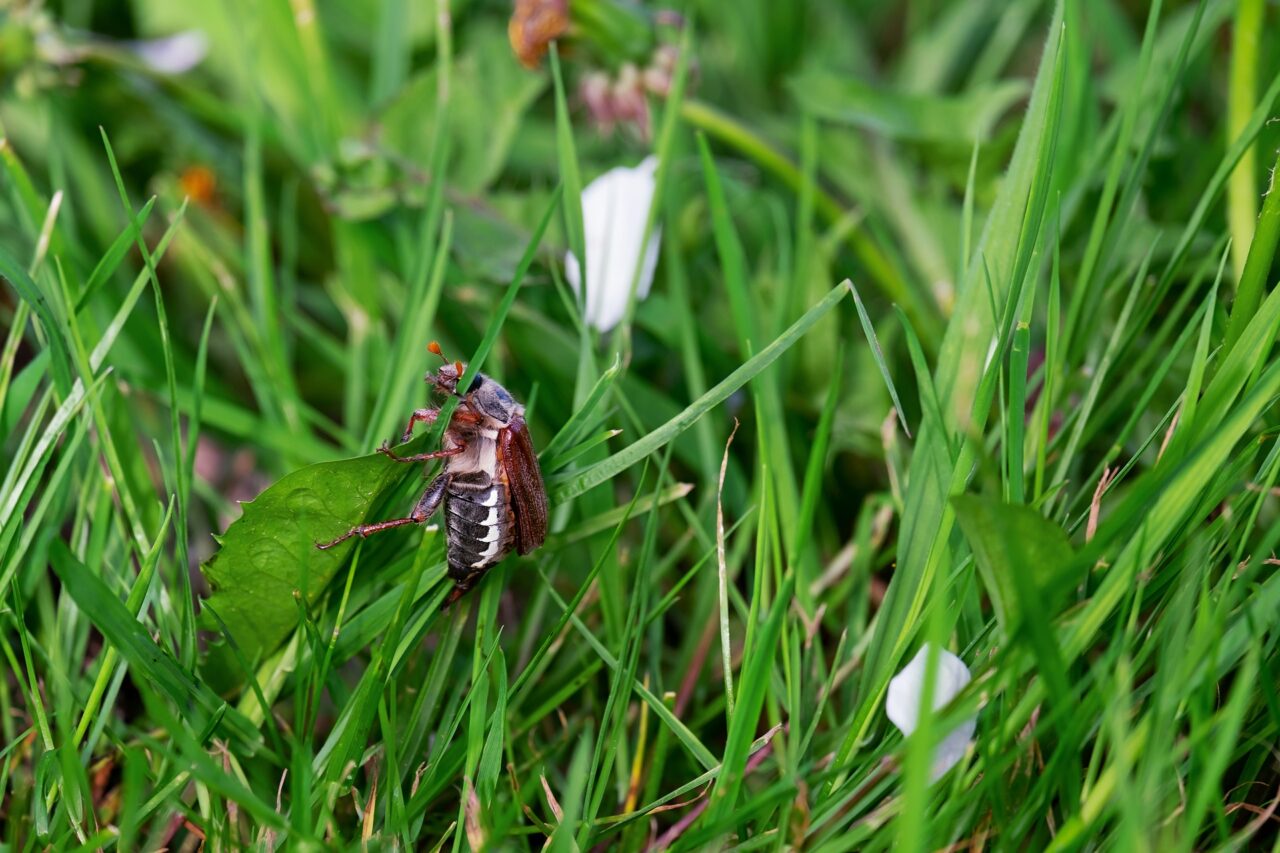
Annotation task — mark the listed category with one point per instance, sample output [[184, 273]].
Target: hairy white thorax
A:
[[481, 453]]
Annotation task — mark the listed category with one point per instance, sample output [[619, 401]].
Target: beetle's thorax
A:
[[481, 449], [478, 433], [492, 403]]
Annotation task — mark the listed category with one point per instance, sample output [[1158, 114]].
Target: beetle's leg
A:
[[420, 457], [454, 594], [364, 530], [426, 507], [461, 586], [432, 498], [426, 416]]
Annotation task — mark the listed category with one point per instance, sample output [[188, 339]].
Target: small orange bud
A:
[[434, 347], [457, 365]]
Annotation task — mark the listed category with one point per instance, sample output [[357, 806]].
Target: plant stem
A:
[[1242, 97]]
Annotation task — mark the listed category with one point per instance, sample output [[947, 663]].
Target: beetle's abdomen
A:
[[480, 528]]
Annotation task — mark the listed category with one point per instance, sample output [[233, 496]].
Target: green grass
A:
[[987, 291]]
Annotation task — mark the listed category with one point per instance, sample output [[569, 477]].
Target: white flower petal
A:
[[902, 704], [173, 54], [615, 211], [952, 748]]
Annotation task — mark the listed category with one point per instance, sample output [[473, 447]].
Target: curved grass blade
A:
[[633, 453], [114, 255], [200, 704], [34, 296], [581, 419]]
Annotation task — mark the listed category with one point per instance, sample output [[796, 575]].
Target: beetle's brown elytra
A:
[[491, 487]]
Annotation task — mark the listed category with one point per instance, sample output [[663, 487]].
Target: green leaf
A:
[[1012, 544], [869, 329], [22, 391], [585, 416], [270, 551], [958, 119], [486, 245], [570, 173], [1023, 559], [1242, 192]]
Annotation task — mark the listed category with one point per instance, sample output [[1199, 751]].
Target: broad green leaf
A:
[[1023, 558], [958, 119], [1012, 544], [487, 246], [269, 553]]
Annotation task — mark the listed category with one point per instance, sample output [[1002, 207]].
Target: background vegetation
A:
[[223, 277]]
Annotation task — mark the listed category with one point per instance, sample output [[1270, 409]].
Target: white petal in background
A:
[[174, 54], [902, 704], [615, 210]]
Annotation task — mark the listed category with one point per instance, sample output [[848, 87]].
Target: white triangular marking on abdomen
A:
[[489, 553]]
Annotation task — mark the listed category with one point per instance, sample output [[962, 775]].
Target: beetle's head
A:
[[446, 378], [483, 396]]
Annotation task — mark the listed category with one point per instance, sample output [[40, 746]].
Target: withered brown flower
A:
[[534, 25]]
